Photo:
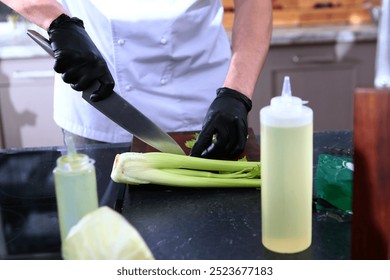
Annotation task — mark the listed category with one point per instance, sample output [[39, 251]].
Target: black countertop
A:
[[181, 223], [176, 223]]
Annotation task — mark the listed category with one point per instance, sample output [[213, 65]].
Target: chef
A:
[[171, 59]]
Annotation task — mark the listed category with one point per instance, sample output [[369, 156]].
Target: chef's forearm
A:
[[39, 12], [251, 36]]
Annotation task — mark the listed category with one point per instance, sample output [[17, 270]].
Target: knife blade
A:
[[122, 112]]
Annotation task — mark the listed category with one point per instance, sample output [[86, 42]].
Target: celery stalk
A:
[[184, 171]]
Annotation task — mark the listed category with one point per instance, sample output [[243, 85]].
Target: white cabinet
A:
[[26, 103], [326, 75]]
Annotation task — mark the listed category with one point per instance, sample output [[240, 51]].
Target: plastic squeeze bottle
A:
[[75, 188], [286, 134]]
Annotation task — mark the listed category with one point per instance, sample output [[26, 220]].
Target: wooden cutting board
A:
[[371, 196], [252, 149]]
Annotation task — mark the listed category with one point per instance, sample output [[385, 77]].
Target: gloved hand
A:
[[227, 118], [77, 58]]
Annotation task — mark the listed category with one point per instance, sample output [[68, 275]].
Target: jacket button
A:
[[163, 41], [163, 81]]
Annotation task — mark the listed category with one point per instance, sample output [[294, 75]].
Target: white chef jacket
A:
[[167, 57]]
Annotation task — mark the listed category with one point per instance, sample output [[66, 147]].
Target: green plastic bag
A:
[[333, 181]]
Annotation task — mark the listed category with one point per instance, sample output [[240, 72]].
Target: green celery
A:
[[184, 171]]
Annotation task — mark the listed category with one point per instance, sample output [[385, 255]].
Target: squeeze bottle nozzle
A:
[[286, 91], [71, 151], [70, 145]]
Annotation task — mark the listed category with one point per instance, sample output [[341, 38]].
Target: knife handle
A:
[[45, 44]]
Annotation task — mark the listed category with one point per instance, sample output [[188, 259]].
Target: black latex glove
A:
[[227, 119], [77, 58]]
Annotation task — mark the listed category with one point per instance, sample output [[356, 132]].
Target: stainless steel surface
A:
[[123, 113], [41, 41], [382, 61]]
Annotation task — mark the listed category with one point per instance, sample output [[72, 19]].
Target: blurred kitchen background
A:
[[4, 12], [326, 47]]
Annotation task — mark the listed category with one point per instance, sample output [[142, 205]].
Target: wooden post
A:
[[371, 197]]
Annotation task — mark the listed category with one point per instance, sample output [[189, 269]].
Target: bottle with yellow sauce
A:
[[75, 188], [286, 133]]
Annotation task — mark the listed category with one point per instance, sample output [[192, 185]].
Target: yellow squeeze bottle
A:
[[286, 133], [75, 188]]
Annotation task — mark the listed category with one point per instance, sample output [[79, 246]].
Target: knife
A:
[[120, 111]]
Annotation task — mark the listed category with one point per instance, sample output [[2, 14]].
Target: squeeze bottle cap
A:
[[286, 102], [73, 161], [286, 110]]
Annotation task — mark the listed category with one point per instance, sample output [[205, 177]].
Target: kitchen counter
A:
[[176, 223], [19, 45], [184, 224], [323, 34]]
